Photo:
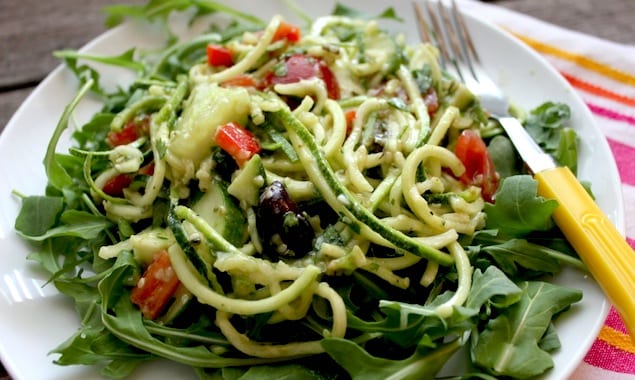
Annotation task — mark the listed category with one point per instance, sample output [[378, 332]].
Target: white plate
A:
[[33, 319]]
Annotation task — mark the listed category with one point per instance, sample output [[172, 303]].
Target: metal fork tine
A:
[[469, 54], [430, 29], [452, 38], [437, 25], [458, 55], [422, 24]]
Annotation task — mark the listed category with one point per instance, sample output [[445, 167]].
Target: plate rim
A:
[[112, 33]]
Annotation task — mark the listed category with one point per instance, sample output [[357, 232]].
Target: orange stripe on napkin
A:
[[617, 339], [580, 60], [597, 90]]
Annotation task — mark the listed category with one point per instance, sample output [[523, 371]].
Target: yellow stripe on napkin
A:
[[617, 339], [579, 60]]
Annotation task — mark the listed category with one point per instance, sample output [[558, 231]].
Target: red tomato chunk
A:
[[115, 185], [129, 133], [156, 287], [479, 167], [300, 66]]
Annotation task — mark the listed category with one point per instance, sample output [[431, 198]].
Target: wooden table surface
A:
[[30, 30]]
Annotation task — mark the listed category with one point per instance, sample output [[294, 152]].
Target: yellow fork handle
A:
[[605, 252]]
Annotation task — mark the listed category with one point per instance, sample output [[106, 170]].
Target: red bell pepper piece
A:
[[115, 185], [237, 141], [218, 55], [243, 80], [350, 116], [287, 32], [330, 81], [130, 132], [156, 287]]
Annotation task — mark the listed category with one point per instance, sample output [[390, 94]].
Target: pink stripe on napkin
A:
[[625, 159], [605, 112], [605, 356]]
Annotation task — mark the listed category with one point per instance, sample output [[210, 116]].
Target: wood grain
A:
[[30, 31], [608, 19]]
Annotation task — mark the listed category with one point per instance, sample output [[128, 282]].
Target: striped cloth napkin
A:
[[603, 74]]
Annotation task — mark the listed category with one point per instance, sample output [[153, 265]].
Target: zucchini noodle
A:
[[290, 177]]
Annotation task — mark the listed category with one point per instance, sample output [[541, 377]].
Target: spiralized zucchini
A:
[[353, 185], [390, 158]]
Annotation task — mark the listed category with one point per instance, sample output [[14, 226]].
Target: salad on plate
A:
[[269, 200]]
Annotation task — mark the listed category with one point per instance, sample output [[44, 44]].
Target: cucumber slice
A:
[[181, 300], [220, 211], [249, 181], [379, 46]]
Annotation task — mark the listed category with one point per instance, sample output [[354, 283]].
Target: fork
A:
[[601, 247], [446, 29]]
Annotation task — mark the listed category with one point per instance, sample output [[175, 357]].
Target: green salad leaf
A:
[[343, 10], [361, 365], [509, 344], [548, 126], [402, 321], [518, 209]]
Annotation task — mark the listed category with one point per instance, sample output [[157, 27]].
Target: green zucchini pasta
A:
[[288, 199]]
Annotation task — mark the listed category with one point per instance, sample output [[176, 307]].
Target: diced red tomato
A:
[[431, 100], [299, 67], [350, 119], [330, 81], [129, 133], [156, 287], [243, 80], [479, 167], [287, 32], [147, 169], [218, 55], [115, 185], [237, 141]]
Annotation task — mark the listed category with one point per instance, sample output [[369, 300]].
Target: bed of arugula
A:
[[506, 323]]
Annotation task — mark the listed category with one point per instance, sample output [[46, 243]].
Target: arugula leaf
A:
[[550, 341], [57, 175], [518, 209], [361, 365], [492, 287], [567, 151], [343, 10], [547, 125], [92, 135], [79, 224], [508, 346], [121, 368], [86, 298], [159, 10], [519, 252], [125, 59], [271, 372], [38, 214], [125, 321], [504, 156], [85, 74], [78, 348]]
